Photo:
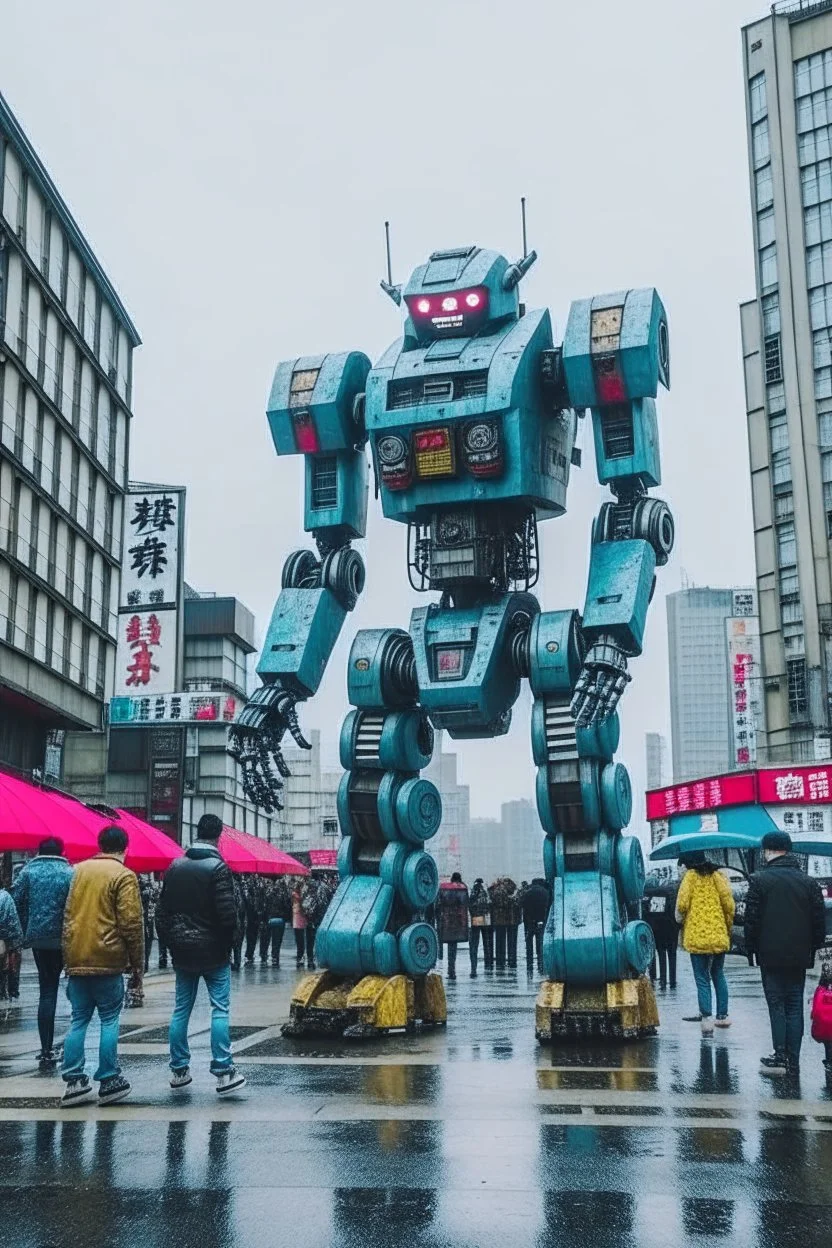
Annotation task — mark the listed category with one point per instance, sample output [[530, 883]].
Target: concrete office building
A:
[[698, 662], [66, 348], [787, 349], [655, 753], [716, 710]]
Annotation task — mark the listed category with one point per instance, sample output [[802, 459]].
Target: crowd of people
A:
[[95, 924], [490, 916], [784, 928]]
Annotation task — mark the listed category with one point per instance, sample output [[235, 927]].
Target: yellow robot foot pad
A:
[[625, 1009], [325, 1003]]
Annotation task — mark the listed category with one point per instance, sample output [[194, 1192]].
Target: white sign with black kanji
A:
[[150, 566]]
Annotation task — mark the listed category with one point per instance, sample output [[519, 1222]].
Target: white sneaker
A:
[[723, 1022], [78, 1091], [230, 1081], [181, 1078], [707, 1026]]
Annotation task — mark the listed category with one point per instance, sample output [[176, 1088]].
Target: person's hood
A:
[[202, 850]]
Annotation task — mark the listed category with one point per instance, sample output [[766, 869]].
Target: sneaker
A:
[[181, 1078], [774, 1064], [723, 1022], [46, 1058], [77, 1091], [112, 1090], [707, 1025], [230, 1081]]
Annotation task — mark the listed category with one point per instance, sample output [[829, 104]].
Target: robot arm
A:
[[315, 410], [615, 353]]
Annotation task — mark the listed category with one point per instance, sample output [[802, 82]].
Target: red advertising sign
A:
[[709, 794], [795, 784]]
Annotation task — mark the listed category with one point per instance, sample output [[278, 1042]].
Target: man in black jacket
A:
[[198, 917], [534, 905], [784, 926]]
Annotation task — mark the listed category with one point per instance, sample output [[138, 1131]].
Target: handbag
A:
[[822, 1014]]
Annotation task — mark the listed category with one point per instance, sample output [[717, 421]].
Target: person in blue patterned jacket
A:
[[40, 894]]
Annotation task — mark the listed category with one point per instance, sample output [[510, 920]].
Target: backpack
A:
[[822, 1015]]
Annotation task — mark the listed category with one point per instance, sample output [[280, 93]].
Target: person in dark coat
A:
[[660, 915], [479, 907], [534, 904], [504, 920], [785, 924], [253, 897], [452, 917], [278, 912], [198, 917]]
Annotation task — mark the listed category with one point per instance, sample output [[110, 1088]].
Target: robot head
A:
[[459, 293]]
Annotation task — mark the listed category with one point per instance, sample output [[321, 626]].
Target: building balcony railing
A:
[[797, 10]]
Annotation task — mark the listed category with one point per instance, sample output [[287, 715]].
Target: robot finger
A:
[[580, 695], [294, 728]]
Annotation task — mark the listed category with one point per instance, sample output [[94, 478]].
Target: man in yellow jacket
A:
[[103, 936], [705, 907]]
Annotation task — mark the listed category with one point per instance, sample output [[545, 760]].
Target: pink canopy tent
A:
[[248, 855], [28, 814]]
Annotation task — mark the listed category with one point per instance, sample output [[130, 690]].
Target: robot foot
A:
[[328, 1004], [624, 1010]]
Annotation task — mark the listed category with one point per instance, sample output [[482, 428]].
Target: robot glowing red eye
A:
[[450, 304], [473, 300], [423, 306]]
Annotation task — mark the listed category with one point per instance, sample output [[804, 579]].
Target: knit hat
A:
[[780, 842]]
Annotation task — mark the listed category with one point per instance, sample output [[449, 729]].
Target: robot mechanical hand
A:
[[255, 741], [601, 683]]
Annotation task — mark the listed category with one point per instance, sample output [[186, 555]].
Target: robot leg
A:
[[595, 948], [374, 948]]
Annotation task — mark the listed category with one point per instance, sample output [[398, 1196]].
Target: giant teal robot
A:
[[471, 419]]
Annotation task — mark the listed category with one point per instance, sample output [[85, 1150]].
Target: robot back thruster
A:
[[471, 419]]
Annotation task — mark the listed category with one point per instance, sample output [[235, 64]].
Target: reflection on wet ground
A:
[[460, 1139]]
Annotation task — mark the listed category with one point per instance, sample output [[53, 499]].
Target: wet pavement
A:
[[464, 1138]]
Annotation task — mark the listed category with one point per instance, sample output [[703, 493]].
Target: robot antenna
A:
[[523, 219], [395, 292]]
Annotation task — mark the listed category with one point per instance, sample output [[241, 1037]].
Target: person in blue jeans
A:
[[198, 918], [103, 937]]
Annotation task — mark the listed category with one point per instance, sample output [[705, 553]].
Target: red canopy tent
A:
[[248, 855], [28, 814]]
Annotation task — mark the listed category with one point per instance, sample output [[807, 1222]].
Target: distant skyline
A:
[[232, 169]]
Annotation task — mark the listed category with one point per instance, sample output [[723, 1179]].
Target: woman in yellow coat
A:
[[705, 908]]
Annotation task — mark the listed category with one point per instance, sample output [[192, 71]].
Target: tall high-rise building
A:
[[66, 348], [787, 349], [715, 701], [655, 753]]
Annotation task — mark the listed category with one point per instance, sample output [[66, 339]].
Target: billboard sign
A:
[[743, 630], [152, 538], [146, 652], [174, 708], [795, 785], [149, 620], [735, 789]]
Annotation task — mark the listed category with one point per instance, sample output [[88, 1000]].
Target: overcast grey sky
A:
[[232, 164]]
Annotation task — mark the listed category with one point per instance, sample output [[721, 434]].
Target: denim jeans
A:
[[218, 983], [50, 963], [709, 967], [88, 993], [784, 996]]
